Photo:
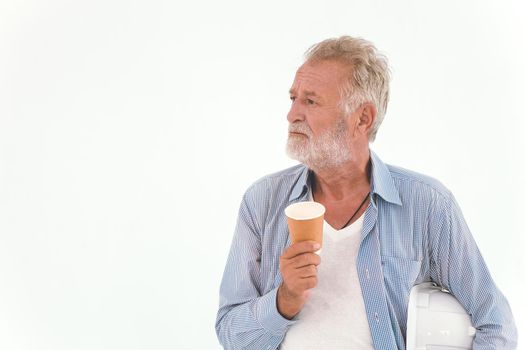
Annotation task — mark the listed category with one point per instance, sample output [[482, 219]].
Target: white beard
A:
[[328, 150]]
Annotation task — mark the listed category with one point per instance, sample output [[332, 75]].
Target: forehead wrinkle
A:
[[305, 92], [309, 76], [308, 79]]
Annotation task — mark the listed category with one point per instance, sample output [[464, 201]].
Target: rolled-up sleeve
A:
[[459, 267], [246, 319]]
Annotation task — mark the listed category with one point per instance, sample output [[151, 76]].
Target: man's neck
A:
[[343, 183]]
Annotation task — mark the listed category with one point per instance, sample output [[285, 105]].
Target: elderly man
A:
[[386, 228]]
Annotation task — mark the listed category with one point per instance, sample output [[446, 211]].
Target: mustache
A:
[[301, 128]]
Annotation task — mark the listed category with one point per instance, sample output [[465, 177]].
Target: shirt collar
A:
[[301, 185], [381, 182]]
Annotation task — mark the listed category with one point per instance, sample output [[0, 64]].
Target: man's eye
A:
[[292, 98], [310, 102]]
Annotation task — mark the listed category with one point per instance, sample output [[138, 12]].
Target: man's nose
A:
[[296, 113]]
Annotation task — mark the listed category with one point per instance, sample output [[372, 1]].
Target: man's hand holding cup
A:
[[298, 264]]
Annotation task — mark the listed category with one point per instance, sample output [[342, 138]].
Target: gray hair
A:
[[369, 81]]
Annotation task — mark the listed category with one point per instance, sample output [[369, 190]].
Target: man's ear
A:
[[366, 118]]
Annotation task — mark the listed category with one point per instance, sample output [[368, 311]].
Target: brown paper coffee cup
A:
[[305, 221]]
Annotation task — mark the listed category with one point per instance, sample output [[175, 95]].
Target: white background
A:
[[129, 131]]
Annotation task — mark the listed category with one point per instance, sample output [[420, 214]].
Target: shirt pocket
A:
[[400, 274]]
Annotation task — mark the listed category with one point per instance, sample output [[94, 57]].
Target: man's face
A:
[[318, 129]]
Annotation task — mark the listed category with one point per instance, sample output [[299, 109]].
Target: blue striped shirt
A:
[[413, 232]]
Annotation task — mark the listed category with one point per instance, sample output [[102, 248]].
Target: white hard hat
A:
[[436, 320]]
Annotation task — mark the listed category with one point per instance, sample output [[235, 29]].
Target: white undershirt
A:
[[334, 316]]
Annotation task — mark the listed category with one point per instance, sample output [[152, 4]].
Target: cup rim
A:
[[315, 205]]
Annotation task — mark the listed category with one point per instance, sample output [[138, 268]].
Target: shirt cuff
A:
[[268, 315]]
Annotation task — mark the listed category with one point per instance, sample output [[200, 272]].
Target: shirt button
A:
[[367, 274], [376, 316]]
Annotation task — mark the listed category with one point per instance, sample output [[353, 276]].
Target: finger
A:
[[296, 277], [309, 282], [300, 248], [304, 259], [297, 285], [307, 271]]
